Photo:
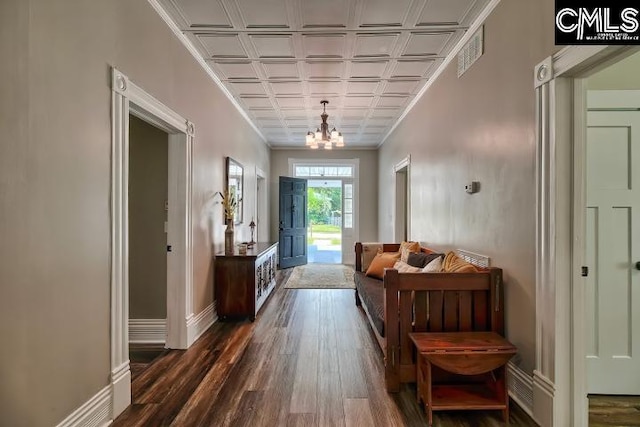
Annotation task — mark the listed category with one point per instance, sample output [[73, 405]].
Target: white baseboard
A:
[[96, 412], [520, 387], [120, 389], [148, 331], [543, 395], [197, 325]]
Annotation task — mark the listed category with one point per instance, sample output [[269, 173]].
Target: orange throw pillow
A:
[[454, 264], [380, 262]]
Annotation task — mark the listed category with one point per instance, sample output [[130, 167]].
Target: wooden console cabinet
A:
[[243, 282]]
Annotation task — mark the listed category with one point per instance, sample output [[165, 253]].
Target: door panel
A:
[[293, 222], [612, 249]]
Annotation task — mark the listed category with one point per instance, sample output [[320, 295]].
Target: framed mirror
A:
[[235, 185]]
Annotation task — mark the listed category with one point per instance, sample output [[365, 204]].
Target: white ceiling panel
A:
[[247, 88], [375, 45], [281, 70], [286, 88], [411, 68], [291, 103], [367, 69], [280, 58], [263, 13], [358, 101], [404, 87], [360, 87], [236, 70], [444, 11], [324, 14], [325, 88], [324, 69], [384, 13], [203, 14], [421, 44], [324, 45], [222, 45], [273, 45]]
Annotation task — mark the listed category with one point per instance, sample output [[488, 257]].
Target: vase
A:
[[229, 239]]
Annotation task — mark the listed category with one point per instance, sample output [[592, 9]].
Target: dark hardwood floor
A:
[[309, 359], [614, 411]]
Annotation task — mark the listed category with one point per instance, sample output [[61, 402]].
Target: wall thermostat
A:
[[472, 187]]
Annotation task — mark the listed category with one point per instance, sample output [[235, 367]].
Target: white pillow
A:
[[435, 266], [403, 267]]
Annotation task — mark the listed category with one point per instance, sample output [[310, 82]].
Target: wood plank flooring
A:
[[614, 411], [309, 359]]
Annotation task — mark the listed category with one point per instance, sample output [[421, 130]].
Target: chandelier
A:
[[322, 136]]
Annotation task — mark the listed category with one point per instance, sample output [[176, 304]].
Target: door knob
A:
[[638, 265]]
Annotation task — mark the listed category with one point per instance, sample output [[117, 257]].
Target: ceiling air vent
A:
[[471, 51]]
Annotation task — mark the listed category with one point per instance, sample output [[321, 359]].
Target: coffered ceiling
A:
[[279, 58]]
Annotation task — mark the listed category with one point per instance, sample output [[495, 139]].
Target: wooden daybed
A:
[[425, 302]]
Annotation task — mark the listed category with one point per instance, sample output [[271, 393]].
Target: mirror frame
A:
[[234, 183]]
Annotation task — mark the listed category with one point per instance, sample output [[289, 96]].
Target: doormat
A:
[[321, 276]]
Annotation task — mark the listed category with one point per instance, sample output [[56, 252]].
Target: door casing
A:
[[128, 98], [559, 388]]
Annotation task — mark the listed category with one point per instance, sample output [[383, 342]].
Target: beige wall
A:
[[619, 76], [480, 127], [55, 101], [148, 191], [368, 183]]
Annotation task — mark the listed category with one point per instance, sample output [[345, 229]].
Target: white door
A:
[[612, 246]]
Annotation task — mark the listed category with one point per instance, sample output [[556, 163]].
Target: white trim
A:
[[129, 98], [471, 31], [96, 412], [520, 387], [198, 325], [194, 52], [147, 331], [120, 389], [544, 392], [404, 163]]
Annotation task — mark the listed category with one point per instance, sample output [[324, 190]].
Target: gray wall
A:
[[55, 102], [480, 127], [148, 191], [368, 183]]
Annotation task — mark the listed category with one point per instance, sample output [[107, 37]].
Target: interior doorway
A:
[[324, 231], [401, 209], [148, 206], [261, 233]]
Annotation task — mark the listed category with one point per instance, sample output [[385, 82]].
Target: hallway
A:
[[308, 360]]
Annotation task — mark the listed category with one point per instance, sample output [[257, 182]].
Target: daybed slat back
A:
[[435, 312], [466, 312], [480, 311], [405, 328], [422, 316], [450, 311]]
